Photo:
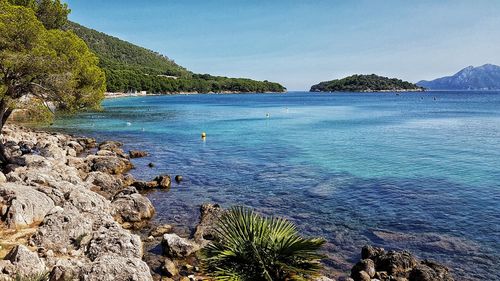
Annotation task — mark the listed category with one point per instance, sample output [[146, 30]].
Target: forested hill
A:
[[132, 68], [365, 83]]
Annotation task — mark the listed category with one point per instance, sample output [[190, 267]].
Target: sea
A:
[[416, 171]]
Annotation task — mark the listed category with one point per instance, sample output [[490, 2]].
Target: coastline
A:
[[371, 91], [88, 219], [71, 210], [109, 95]]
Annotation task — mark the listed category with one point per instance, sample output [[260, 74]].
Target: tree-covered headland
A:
[[365, 83], [131, 68]]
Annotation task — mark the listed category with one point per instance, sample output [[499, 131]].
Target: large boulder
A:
[[26, 262], [131, 208], [109, 239], [177, 247], [370, 252], [397, 264], [86, 142], [145, 185], [62, 229], [52, 150], [110, 164], [114, 147], [22, 206], [116, 267], [80, 164], [105, 184], [366, 265]]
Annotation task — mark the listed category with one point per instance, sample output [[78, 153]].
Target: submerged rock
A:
[[178, 178], [161, 230], [381, 265], [430, 271], [137, 153], [145, 185], [163, 181]]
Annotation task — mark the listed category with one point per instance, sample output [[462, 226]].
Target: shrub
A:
[[248, 246]]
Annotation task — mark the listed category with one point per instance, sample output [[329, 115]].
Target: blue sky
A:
[[299, 43]]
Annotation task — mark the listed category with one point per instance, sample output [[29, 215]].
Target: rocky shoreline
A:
[[70, 210]]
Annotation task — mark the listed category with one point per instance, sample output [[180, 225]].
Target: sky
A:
[[299, 43]]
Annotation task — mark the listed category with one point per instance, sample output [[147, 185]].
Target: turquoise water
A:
[[399, 171]]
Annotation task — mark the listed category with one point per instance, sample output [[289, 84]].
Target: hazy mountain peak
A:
[[485, 77]]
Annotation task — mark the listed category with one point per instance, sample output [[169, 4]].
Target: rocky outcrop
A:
[[109, 164], [114, 147], [131, 208], [105, 184], [76, 203], [111, 239], [116, 267], [209, 215], [22, 206], [24, 262], [376, 263]]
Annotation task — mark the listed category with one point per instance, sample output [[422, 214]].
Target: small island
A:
[[366, 83]]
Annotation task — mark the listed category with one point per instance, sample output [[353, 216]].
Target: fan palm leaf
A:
[[251, 247]]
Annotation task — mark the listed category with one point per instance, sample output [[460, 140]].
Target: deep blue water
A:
[[399, 171]]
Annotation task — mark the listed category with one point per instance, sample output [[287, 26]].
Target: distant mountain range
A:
[[485, 77]]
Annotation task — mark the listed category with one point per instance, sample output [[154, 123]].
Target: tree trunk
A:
[[5, 112]]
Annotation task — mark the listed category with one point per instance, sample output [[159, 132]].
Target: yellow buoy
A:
[[203, 135]]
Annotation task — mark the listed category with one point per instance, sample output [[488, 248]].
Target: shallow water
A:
[[398, 171]]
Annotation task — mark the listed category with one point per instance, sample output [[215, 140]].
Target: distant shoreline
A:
[[109, 95], [373, 91]]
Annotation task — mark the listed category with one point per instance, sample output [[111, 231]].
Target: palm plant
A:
[[249, 247]]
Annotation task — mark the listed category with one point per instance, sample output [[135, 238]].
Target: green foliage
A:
[[34, 112], [52, 13], [131, 68], [251, 247], [50, 65], [365, 83]]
